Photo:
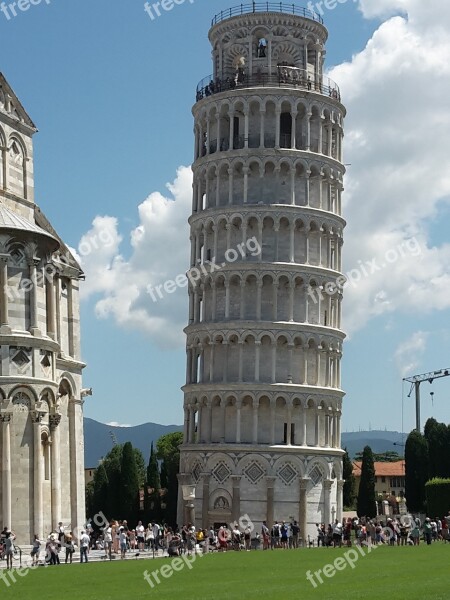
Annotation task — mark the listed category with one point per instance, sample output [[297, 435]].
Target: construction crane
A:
[[415, 382]]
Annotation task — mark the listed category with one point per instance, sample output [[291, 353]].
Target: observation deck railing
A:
[[266, 7], [289, 77]]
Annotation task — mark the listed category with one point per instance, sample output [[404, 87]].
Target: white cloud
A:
[[115, 424], [160, 251], [396, 92], [408, 353]]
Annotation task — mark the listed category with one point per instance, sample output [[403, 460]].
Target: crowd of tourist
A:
[[394, 532], [117, 538]]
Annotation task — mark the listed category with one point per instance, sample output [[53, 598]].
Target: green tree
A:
[[89, 496], [140, 465], [168, 451], [436, 435], [366, 505], [349, 485], [100, 489], [388, 456], [129, 485], [416, 470], [113, 466], [152, 490]]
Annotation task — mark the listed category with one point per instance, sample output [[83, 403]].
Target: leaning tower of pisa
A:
[[263, 397]]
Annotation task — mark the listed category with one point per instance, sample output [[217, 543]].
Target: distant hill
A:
[[98, 441], [379, 441]]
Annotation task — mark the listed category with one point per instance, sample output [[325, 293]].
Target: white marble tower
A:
[[41, 417], [264, 342]]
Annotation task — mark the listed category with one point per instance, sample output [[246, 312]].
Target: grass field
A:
[[401, 573]]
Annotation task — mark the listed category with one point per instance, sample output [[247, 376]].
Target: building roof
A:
[[382, 469], [18, 113], [14, 222]]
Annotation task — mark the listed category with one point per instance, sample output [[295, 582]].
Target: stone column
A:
[[186, 425], [255, 421], [293, 186], [37, 473], [262, 129], [56, 470], [304, 424], [288, 426], [222, 418], [230, 185], [208, 433], [277, 128], [57, 292], [34, 329], [70, 318], [205, 500], [317, 428], [225, 362], [270, 481], [199, 424], [76, 449], [303, 509], [246, 171], [191, 437], [327, 483], [257, 360], [272, 421], [241, 360], [238, 421], [211, 361], [4, 298], [339, 500], [236, 505], [274, 361], [5, 418], [50, 301], [294, 130]]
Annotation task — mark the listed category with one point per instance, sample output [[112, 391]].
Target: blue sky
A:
[[111, 93]]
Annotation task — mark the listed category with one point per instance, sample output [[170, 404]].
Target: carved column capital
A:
[[37, 416], [55, 420], [5, 417]]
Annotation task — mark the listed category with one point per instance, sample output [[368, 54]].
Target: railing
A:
[[258, 7], [290, 77]]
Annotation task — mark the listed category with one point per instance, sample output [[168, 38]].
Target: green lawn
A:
[[401, 573]]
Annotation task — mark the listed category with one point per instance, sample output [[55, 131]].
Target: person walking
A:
[[70, 549]]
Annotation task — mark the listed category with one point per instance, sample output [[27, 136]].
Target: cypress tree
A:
[[100, 491], [416, 471], [129, 485], [152, 491], [168, 450], [349, 485], [366, 505]]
